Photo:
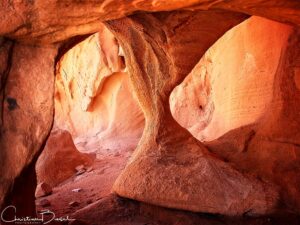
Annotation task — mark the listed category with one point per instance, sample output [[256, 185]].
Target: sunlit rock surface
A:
[[93, 97], [233, 83], [171, 168], [270, 147]]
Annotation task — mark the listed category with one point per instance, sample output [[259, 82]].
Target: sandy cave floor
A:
[[98, 206], [93, 186]]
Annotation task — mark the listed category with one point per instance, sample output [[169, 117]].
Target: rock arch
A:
[[169, 167], [37, 29]]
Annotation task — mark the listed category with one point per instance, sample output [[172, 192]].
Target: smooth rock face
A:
[[27, 115], [59, 159], [171, 168], [233, 83], [270, 148], [252, 98], [93, 98]]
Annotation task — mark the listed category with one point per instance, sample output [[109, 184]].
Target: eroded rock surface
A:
[[163, 40], [251, 99], [169, 167], [270, 147], [42, 190], [233, 83], [27, 115], [53, 21], [59, 159], [93, 97]]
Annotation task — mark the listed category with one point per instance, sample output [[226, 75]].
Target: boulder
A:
[[170, 167], [270, 148], [233, 83], [42, 189], [59, 159]]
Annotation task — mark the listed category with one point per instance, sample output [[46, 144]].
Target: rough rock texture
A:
[[52, 21], [26, 106], [270, 148], [169, 167], [113, 210], [43, 189], [232, 85], [59, 159], [26, 119], [93, 98]]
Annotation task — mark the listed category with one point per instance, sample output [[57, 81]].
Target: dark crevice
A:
[[183, 23], [25, 185], [5, 74], [67, 45], [123, 62], [248, 140], [24, 25]]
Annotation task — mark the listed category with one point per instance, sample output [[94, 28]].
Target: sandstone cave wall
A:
[[231, 86], [27, 87], [233, 83], [93, 97]]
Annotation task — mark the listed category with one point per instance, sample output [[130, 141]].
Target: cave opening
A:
[[97, 125], [94, 133]]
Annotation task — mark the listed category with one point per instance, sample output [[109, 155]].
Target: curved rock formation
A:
[[93, 96], [259, 98], [59, 159], [270, 148], [171, 168], [232, 85], [53, 21], [173, 42]]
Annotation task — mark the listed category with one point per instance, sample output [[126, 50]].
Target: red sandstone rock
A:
[[93, 98], [27, 90], [248, 93], [52, 21], [77, 222], [270, 148], [59, 159], [171, 168], [26, 119], [80, 168], [42, 189], [232, 85], [44, 202], [74, 204]]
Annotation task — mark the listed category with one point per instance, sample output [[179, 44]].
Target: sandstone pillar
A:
[[169, 167]]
